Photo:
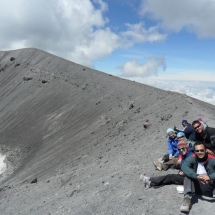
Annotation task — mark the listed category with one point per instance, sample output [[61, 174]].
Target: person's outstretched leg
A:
[[166, 179], [170, 164]]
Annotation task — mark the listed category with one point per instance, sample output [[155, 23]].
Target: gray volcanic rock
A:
[[77, 139]]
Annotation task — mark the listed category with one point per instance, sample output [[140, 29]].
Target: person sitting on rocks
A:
[[158, 181], [205, 134], [184, 124], [181, 136], [188, 130], [170, 159], [199, 170]]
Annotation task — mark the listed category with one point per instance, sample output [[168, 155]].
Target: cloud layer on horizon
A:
[[204, 91]]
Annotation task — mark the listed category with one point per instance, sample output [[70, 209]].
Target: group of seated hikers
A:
[[192, 151]]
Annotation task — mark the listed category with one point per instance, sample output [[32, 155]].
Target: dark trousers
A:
[[166, 179], [194, 186]]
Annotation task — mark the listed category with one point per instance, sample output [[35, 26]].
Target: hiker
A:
[[181, 136], [189, 131], [184, 123], [159, 181], [202, 122], [199, 170], [170, 159], [206, 135]]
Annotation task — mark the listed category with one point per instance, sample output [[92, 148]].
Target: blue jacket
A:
[[172, 146]]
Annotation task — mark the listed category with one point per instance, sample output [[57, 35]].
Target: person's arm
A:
[[187, 167], [179, 159], [177, 129], [210, 140], [212, 174], [210, 151], [170, 149], [177, 153], [203, 178]]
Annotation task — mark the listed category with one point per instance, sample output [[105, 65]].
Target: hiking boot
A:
[[158, 165], [160, 160], [186, 205]]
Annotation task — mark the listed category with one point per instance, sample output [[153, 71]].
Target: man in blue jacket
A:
[[199, 170]]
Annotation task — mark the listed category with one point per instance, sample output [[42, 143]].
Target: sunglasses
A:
[[180, 137], [197, 126], [200, 150], [182, 149]]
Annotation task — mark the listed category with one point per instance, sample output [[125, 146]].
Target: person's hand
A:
[[180, 173], [210, 152], [203, 179], [170, 157], [179, 161]]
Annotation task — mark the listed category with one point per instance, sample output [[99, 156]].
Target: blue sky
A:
[[167, 44]]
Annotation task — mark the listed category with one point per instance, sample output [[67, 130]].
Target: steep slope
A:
[[80, 133]]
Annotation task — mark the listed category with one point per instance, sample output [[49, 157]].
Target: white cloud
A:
[[149, 68], [204, 91], [137, 33], [76, 30], [187, 75], [196, 16]]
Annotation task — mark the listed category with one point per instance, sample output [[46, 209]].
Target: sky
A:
[[167, 44]]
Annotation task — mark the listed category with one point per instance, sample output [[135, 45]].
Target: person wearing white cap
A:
[[170, 159]]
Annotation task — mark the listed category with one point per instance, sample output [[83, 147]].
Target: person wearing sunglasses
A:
[[159, 181], [188, 130], [181, 136], [205, 134], [199, 170]]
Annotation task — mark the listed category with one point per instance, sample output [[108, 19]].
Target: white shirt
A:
[[201, 169]]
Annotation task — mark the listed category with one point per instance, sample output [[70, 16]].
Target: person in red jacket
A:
[[158, 181]]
